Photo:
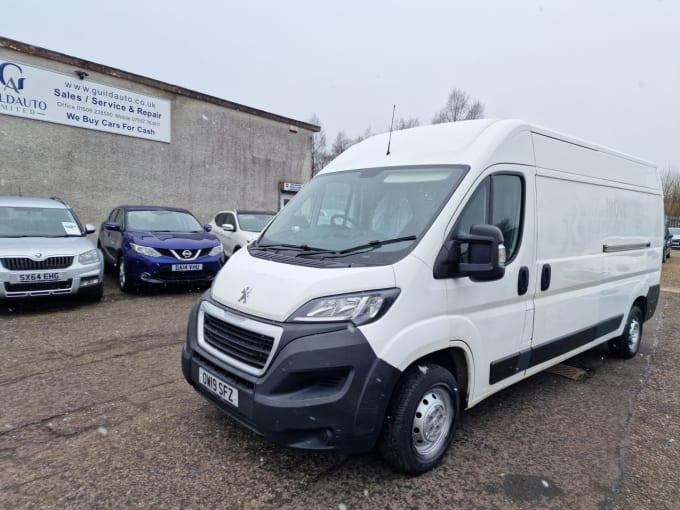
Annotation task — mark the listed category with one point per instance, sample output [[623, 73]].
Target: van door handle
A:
[[523, 281], [545, 277]]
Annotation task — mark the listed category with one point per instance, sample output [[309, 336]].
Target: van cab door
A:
[[497, 316]]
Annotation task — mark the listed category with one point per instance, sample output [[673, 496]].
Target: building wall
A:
[[219, 157]]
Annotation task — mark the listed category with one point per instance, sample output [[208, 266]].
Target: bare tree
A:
[[320, 155], [459, 107], [403, 123], [341, 143], [670, 184]]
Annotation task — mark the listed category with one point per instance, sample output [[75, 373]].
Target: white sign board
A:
[[35, 93]]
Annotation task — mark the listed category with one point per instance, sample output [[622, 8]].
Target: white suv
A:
[[236, 229], [44, 250]]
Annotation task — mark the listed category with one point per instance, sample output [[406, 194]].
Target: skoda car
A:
[[44, 250], [159, 245]]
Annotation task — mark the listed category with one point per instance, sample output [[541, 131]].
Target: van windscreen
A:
[[338, 212]]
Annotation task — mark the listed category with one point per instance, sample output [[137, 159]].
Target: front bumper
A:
[[73, 279], [324, 388], [160, 271]]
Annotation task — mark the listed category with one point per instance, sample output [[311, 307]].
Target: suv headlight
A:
[[216, 250], [145, 250], [360, 308], [89, 257]]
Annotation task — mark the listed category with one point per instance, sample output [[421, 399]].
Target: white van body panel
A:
[[277, 290], [588, 203]]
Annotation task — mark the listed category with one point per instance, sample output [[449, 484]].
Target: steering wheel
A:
[[345, 221]]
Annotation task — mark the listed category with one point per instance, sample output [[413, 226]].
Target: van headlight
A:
[[145, 250], [360, 308], [216, 250], [89, 257]]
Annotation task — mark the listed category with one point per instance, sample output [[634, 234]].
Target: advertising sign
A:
[[38, 94]]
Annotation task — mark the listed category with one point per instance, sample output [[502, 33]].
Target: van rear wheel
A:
[[628, 344], [421, 419]]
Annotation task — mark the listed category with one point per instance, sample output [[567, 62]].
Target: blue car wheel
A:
[[123, 280]]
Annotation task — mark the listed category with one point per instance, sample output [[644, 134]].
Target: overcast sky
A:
[[606, 71]]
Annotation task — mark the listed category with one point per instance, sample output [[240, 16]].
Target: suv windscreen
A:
[[162, 221], [38, 222], [252, 222], [675, 231], [348, 216]]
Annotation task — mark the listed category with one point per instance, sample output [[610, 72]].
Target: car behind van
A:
[[44, 251], [151, 245], [462, 259], [236, 229]]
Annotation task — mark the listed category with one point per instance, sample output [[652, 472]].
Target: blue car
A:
[[159, 245]]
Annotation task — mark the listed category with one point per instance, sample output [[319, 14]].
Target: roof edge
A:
[[62, 58]]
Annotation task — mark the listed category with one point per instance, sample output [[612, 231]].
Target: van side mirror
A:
[[112, 225], [479, 255]]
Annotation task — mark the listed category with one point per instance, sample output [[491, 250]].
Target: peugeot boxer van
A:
[[463, 258]]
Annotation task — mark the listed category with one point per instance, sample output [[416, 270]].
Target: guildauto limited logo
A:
[[12, 83], [10, 77]]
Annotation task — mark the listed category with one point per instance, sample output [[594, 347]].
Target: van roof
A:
[[465, 142]]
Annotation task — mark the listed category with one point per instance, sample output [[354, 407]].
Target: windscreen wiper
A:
[[284, 246], [371, 245]]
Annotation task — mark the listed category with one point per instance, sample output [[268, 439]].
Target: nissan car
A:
[[159, 246]]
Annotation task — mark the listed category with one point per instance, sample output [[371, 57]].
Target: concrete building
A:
[[100, 137]]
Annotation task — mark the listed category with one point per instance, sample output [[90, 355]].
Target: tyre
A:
[[421, 419], [123, 279], [628, 344], [107, 265], [92, 294]]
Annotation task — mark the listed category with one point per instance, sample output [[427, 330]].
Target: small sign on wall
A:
[[39, 94], [291, 187]]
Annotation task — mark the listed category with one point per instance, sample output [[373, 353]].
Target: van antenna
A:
[[389, 141]]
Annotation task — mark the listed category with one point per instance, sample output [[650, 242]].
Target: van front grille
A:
[[238, 343]]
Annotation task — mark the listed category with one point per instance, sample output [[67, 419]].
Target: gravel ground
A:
[[94, 413]]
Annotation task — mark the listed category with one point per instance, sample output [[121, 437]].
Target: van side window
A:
[[476, 211], [498, 201], [506, 210]]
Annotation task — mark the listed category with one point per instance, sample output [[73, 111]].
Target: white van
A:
[[464, 258]]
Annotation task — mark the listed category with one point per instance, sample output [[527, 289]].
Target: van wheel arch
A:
[[641, 303], [454, 360]]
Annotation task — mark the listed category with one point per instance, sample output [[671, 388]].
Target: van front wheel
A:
[[628, 344], [421, 419]]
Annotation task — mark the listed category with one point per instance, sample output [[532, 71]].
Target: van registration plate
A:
[[187, 267], [47, 276], [223, 390]]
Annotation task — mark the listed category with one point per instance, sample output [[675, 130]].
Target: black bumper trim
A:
[[324, 390], [523, 360]]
